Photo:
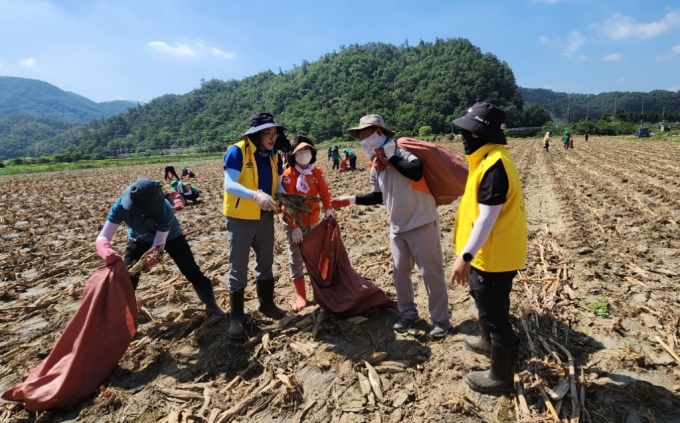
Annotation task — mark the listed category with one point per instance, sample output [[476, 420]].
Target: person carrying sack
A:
[[397, 180], [491, 241], [253, 168], [153, 228], [303, 178]]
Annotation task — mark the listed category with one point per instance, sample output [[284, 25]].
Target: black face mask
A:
[[470, 143]]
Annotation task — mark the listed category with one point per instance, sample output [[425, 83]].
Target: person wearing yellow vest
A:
[[252, 175], [491, 238], [398, 182]]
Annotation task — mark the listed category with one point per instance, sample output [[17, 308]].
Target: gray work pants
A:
[[242, 235], [422, 247], [295, 262]]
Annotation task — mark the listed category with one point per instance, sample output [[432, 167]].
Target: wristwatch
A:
[[467, 257]]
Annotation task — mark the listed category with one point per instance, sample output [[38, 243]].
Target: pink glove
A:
[[343, 201], [104, 250], [153, 256]]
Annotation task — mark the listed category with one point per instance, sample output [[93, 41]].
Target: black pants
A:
[[180, 252], [353, 163], [336, 164], [491, 292], [193, 197]]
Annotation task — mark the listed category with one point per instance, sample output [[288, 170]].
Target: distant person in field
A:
[[188, 191], [491, 240], [253, 169], [586, 134], [330, 153], [336, 158], [303, 178], [397, 181], [571, 141], [187, 174], [565, 140], [153, 228], [546, 142], [170, 173], [352, 157]]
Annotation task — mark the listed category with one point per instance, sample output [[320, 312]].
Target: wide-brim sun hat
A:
[[303, 145], [485, 120], [367, 122], [260, 121], [144, 197]]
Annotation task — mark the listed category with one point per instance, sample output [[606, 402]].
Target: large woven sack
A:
[[90, 347], [337, 287], [444, 172]]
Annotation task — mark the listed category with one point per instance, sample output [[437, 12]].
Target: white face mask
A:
[[374, 141], [303, 157]]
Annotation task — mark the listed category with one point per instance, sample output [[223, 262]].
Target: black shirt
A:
[[493, 189]]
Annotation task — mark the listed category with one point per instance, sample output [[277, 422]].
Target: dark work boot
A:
[[207, 296], [500, 378], [237, 315], [265, 293], [481, 345]]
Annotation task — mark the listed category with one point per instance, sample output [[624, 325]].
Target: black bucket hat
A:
[[485, 120], [260, 121], [144, 197]]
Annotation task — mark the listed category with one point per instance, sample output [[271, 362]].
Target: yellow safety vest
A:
[[505, 249], [242, 208]]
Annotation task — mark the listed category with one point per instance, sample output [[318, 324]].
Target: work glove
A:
[[343, 201], [378, 160], [104, 250], [153, 256], [296, 235], [329, 213], [265, 201], [389, 149]]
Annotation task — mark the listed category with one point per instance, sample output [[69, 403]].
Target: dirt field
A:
[[604, 238]]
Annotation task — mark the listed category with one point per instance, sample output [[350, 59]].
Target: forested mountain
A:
[[628, 106], [19, 134], [38, 98], [411, 86]]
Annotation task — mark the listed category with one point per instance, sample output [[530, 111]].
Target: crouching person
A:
[[153, 228], [252, 175], [491, 239]]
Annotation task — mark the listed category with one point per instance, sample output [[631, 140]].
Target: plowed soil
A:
[[600, 286]]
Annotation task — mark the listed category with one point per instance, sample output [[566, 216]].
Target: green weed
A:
[[600, 307]]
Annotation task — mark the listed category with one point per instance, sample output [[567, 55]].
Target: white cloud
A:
[[179, 50], [220, 53], [574, 41], [676, 49], [619, 26], [674, 88], [614, 57], [544, 40], [28, 62]]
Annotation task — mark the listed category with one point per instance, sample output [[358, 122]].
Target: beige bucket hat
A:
[[368, 121]]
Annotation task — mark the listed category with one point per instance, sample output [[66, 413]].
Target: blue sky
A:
[[142, 49]]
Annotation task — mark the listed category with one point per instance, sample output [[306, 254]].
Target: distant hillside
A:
[[20, 134], [37, 98], [630, 105]]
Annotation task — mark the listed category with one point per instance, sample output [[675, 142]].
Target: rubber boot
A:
[[207, 296], [301, 300], [481, 345], [500, 378], [237, 315], [265, 293]]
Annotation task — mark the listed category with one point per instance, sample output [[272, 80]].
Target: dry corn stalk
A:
[[293, 205]]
